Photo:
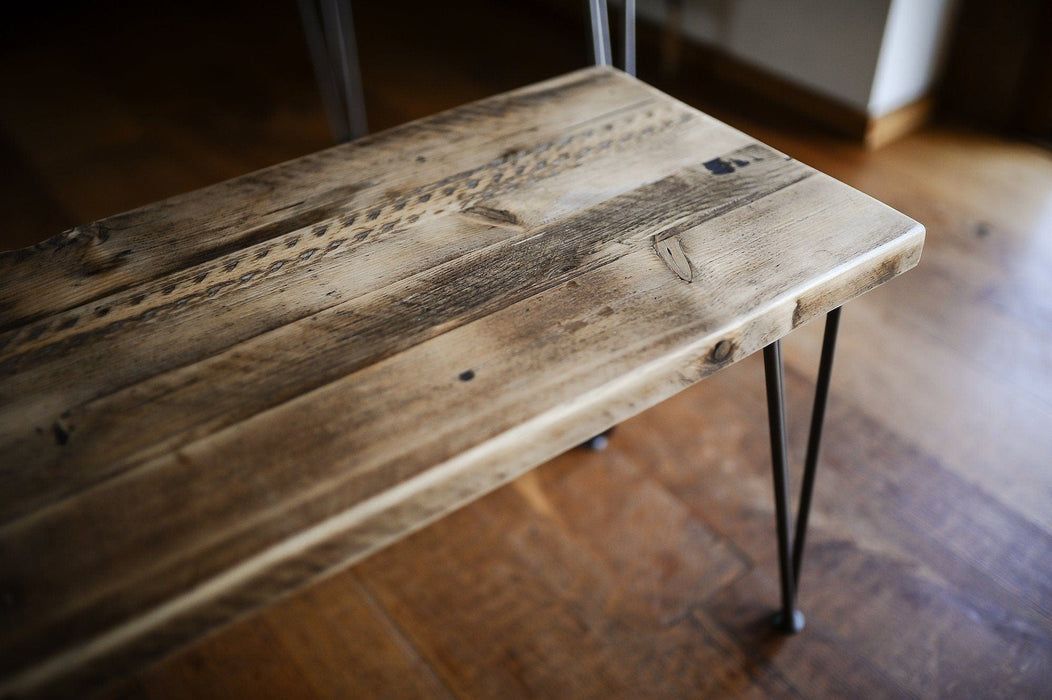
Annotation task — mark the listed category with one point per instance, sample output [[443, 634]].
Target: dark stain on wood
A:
[[36, 331], [802, 312], [492, 215], [90, 234], [807, 308], [719, 166], [315, 212], [887, 270], [574, 326], [61, 434], [726, 166], [97, 262]]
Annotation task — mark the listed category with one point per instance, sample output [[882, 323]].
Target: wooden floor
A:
[[648, 569]]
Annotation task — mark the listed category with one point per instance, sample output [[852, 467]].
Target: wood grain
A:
[[212, 401]]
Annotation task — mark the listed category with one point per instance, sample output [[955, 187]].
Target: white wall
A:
[[913, 48], [830, 46], [873, 55], [703, 20]]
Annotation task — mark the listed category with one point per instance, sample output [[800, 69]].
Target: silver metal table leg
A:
[[329, 27]]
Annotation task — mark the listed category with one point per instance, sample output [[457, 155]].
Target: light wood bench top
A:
[[209, 402]]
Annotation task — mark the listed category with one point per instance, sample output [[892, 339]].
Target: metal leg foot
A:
[[790, 554], [599, 442], [796, 622]]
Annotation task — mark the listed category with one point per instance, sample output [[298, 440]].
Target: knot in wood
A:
[[722, 350], [669, 250]]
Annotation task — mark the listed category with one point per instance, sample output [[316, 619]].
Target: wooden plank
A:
[[321, 237], [267, 419], [257, 372], [236, 294], [201, 479], [118, 252], [208, 466], [244, 294]]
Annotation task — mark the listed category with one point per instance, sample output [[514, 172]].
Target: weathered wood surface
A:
[[211, 401]]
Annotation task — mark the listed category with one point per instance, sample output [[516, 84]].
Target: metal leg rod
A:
[[630, 37], [353, 74], [788, 619], [600, 32], [343, 52], [328, 83], [814, 440]]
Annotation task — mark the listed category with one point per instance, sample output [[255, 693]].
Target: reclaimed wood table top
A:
[[211, 401]]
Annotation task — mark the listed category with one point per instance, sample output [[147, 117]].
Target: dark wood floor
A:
[[648, 569]]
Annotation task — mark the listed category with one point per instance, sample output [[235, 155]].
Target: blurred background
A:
[[648, 568], [106, 105]]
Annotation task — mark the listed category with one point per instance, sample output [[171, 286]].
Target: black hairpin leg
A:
[[790, 555]]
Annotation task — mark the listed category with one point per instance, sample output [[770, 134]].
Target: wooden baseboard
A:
[[680, 56], [894, 125], [873, 132], [843, 119]]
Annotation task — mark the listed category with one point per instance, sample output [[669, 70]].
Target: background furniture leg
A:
[[329, 28]]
